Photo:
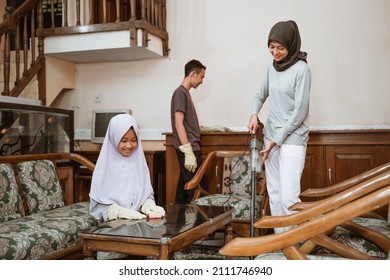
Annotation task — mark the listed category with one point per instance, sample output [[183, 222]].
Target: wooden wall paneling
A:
[[314, 172]]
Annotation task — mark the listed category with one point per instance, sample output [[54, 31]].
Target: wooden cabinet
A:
[[347, 161], [32, 129], [334, 156], [314, 175], [156, 164]]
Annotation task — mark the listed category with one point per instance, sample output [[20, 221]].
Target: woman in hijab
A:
[[121, 187], [287, 85]]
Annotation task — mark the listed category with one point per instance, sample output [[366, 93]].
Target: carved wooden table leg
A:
[[88, 255], [164, 251], [228, 235]]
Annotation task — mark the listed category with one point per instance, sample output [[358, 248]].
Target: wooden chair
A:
[[319, 193], [312, 226], [346, 233], [237, 187]]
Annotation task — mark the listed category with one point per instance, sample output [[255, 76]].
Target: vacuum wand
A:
[[255, 147]]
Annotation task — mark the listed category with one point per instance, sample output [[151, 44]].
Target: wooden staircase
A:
[[28, 32], [30, 91]]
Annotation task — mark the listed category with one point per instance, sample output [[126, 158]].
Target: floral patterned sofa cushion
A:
[[240, 203], [37, 235], [40, 184], [237, 189], [11, 205], [281, 256], [351, 239], [355, 241], [237, 175]]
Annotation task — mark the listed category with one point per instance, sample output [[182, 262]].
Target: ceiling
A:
[[106, 55]]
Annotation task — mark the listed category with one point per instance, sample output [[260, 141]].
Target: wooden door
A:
[[343, 162], [314, 172]]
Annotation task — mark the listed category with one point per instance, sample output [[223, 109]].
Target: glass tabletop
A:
[[179, 218]]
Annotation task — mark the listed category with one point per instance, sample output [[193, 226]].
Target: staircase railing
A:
[[18, 32], [148, 15], [25, 27]]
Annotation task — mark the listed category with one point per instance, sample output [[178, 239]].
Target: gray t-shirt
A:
[[288, 93], [182, 101]]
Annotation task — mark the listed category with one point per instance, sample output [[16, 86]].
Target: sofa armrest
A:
[[65, 175]]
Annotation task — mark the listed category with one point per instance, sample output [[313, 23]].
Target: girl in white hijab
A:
[[121, 185]]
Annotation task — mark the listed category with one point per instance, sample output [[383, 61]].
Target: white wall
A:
[[348, 50]]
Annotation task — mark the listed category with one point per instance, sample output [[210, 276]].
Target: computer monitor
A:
[[100, 121]]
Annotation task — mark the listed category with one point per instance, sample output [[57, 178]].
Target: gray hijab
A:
[[287, 34]]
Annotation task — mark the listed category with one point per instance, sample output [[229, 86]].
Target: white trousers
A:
[[283, 169]]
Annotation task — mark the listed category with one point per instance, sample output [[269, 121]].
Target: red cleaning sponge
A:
[[154, 215]]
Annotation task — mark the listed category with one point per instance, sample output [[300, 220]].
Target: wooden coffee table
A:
[[181, 227]]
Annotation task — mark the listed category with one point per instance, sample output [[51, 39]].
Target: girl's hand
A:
[[253, 125], [266, 151]]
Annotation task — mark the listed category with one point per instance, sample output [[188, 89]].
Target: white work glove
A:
[[150, 206], [190, 159], [116, 212]]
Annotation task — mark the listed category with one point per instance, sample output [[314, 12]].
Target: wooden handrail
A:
[[20, 12], [16, 22]]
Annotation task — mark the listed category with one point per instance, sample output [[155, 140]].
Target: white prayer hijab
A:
[[117, 179]]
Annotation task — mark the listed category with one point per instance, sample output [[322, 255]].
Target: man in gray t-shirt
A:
[[185, 128]]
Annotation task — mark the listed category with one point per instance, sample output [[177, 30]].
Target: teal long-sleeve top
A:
[[288, 93]]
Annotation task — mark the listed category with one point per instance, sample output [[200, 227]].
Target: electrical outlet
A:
[[97, 98]]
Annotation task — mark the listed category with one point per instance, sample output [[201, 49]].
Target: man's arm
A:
[[179, 124], [186, 148]]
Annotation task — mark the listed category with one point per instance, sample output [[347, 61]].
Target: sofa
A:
[[38, 216]]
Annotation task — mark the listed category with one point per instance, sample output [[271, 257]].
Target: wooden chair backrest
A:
[[64, 163]]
